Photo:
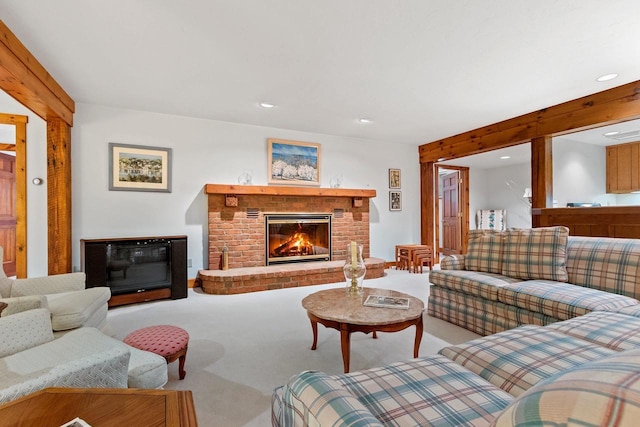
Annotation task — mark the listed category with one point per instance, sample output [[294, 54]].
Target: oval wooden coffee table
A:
[[336, 309]]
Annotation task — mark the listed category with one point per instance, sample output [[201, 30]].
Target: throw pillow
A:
[[536, 253], [484, 251], [599, 393]]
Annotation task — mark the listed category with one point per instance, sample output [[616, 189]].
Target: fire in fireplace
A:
[[297, 237]]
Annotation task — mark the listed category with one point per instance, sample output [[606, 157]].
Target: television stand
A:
[[137, 269]]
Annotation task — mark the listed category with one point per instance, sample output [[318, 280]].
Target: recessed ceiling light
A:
[[267, 105], [505, 157], [607, 77], [364, 120], [614, 132]]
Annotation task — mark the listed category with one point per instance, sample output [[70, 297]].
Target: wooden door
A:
[[8, 212], [451, 242]]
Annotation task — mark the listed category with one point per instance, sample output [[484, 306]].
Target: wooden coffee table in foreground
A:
[[334, 308]]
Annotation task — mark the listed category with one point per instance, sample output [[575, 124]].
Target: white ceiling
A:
[[420, 69]]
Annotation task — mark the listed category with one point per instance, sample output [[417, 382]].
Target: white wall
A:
[[36, 194], [501, 188], [206, 151], [580, 173]]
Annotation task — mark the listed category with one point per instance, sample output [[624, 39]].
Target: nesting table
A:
[[336, 309]]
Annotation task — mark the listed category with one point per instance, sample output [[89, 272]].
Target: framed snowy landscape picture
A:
[[293, 162]]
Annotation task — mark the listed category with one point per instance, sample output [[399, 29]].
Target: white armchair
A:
[[64, 295]]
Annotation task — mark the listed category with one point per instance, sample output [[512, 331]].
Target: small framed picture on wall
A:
[[395, 200], [394, 178]]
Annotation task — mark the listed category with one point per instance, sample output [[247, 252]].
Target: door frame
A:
[[20, 146], [463, 205]]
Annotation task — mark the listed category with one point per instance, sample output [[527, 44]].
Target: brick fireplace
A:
[[236, 218]]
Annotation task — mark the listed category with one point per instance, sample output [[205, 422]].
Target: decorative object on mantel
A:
[[293, 162], [139, 168], [395, 200], [245, 178], [336, 181], [394, 178], [354, 269]]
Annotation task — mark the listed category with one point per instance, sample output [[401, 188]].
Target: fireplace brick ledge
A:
[[254, 279]]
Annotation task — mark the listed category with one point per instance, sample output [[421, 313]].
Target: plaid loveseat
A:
[[533, 276], [582, 371]]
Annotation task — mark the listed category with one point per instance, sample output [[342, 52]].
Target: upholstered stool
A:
[[167, 341]]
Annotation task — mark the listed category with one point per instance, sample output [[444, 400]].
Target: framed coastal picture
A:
[[293, 162], [139, 168], [394, 178], [395, 200]]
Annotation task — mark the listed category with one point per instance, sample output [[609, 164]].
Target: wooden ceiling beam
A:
[[26, 80], [615, 105]]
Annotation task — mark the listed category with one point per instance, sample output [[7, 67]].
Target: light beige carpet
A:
[[243, 346]]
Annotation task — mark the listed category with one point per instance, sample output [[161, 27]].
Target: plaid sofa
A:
[[581, 371], [533, 276]]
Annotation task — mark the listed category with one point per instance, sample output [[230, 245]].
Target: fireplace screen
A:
[[298, 237]]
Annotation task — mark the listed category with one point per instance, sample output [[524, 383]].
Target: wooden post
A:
[[541, 175], [59, 196]]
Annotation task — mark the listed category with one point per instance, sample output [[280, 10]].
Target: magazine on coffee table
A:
[[387, 302]]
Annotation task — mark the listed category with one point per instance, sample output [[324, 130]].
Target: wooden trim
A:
[[615, 105], [286, 191], [7, 147], [21, 198], [20, 147], [143, 296], [427, 206], [59, 196], [25, 79]]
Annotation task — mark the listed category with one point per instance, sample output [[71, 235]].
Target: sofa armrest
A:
[[48, 284], [20, 304], [452, 262], [314, 398]]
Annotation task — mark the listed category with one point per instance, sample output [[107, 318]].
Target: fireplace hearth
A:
[[297, 238]]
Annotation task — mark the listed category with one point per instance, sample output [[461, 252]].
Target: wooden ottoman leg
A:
[[181, 360]]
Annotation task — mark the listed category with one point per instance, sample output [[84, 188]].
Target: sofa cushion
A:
[[484, 251], [560, 300], [484, 285], [536, 253], [316, 399], [480, 315], [599, 393], [630, 310], [608, 264], [613, 330], [71, 310], [24, 330], [430, 391], [517, 359]]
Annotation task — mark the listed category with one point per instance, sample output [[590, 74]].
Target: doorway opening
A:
[[451, 185]]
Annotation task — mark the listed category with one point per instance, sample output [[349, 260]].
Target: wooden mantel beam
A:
[[615, 105], [287, 191], [26, 80]]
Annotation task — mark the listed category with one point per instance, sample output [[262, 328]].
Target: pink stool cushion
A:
[[164, 340]]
